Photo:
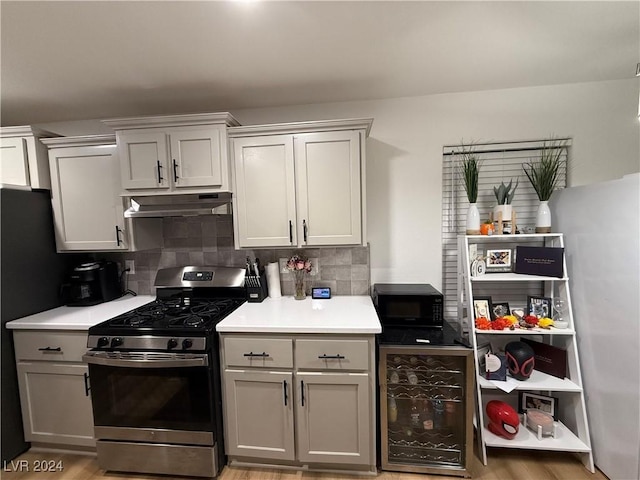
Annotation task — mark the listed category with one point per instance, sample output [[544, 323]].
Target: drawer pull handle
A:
[[285, 393], [160, 178], [50, 349], [251, 354], [302, 391], [175, 171], [86, 385], [324, 356]]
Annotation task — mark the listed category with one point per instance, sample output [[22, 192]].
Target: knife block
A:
[[256, 288]]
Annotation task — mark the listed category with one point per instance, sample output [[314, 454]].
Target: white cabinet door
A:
[[259, 414], [196, 158], [265, 191], [329, 190], [56, 406], [144, 160], [14, 162], [333, 417], [88, 211]]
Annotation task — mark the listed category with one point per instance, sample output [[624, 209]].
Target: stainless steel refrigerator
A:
[[30, 276], [601, 225]]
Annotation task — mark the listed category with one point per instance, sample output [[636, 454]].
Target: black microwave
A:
[[408, 305]]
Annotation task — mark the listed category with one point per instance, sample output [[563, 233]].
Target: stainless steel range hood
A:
[[178, 205]]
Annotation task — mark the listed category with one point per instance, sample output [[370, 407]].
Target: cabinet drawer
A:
[[332, 354], [258, 352], [50, 346]]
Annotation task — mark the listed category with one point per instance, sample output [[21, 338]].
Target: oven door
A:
[[152, 397]]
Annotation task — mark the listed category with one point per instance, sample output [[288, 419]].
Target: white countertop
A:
[[341, 314], [79, 318]]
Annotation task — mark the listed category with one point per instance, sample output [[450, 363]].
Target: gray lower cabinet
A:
[[300, 400], [54, 388]]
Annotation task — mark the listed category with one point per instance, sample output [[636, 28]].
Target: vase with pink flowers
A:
[[299, 266]]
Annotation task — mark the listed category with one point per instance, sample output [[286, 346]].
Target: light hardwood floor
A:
[[503, 464]]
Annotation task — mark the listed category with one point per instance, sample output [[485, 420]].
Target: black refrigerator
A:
[[30, 276]]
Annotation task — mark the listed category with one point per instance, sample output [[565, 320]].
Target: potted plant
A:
[[544, 175], [486, 228], [469, 170], [503, 211]]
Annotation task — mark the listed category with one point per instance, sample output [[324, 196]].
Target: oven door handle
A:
[[147, 361]]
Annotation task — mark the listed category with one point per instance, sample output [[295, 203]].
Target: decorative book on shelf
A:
[[544, 261], [548, 359]]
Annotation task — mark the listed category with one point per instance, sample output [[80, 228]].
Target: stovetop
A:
[[190, 301], [196, 316]]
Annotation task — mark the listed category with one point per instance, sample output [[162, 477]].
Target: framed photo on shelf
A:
[[532, 400], [500, 309], [539, 306], [482, 361], [499, 260], [519, 312], [482, 307]]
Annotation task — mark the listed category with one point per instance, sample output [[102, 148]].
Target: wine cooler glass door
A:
[[426, 409]]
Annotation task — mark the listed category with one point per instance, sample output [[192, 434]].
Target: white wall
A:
[[404, 153]]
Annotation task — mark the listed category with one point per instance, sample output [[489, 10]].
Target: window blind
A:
[[499, 162]]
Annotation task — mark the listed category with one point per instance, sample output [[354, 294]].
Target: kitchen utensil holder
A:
[[256, 288]]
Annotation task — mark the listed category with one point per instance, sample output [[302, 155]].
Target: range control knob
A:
[[116, 342], [187, 343], [103, 342], [172, 343]]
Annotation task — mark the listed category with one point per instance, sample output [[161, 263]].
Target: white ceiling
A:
[[87, 60]]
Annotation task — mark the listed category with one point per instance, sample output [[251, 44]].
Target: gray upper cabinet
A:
[[300, 184], [23, 159], [173, 154]]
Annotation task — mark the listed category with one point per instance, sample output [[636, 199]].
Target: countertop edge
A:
[[297, 330]]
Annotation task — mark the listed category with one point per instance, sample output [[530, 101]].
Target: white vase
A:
[[505, 226], [473, 220], [506, 210], [543, 218]]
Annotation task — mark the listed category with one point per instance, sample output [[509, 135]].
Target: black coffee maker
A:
[[92, 283]]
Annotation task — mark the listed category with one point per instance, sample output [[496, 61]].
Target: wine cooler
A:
[[426, 409]]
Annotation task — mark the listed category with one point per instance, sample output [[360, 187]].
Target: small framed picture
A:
[[482, 307], [532, 400], [539, 306], [500, 310], [518, 312], [499, 260], [482, 361]]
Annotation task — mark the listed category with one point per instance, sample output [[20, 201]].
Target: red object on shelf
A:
[[503, 419]]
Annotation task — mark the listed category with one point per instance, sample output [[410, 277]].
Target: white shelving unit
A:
[[572, 431]]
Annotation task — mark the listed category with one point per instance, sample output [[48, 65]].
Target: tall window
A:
[[500, 162]]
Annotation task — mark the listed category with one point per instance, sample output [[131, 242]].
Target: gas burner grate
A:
[[198, 313]]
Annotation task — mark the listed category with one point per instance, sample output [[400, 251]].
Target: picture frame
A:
[[482, 307], [482, 361], [505, 310], [518, 312], [499, 260], [543, 403], [539, 306]]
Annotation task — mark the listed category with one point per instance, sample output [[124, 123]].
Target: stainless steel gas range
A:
[[155, 379]]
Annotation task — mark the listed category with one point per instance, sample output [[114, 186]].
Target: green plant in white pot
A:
[[544, 174], [503, 211], [469, 170]]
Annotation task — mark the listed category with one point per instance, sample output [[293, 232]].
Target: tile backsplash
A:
[[208, 240]]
